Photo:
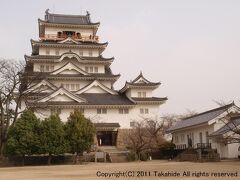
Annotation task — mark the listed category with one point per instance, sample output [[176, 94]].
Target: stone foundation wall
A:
[[122, 138]]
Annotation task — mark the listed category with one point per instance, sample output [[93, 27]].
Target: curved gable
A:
[[96, 87], [68, 68], [43, 86], [69, 40], [62, 95]]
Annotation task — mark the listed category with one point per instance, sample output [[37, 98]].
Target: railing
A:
[[75, 37], [204, 145], [181, 146]]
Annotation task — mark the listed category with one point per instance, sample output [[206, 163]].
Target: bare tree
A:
[[10, 74], [145, 135], [171, 119], [11, 95], [230, 131], [15, 89]]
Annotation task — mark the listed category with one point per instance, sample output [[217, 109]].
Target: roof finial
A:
[[141, 73], [46, 14], [88, 14], [47, 11]]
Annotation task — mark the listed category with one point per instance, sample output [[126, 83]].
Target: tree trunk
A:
[[138, 155], [3, 139], [23, 159], [2, 144], [77, 159], [49, 159], [2, 130]]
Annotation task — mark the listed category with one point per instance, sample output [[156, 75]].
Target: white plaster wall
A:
[[101, 69], [95, 89], [134, 92], [128, 93], [135, 114], [195, 132], [111, 116], [58, 83], [81, 83], [67, 71], [46, 89], [107, 84], [233, 149], [36, 66], [52, 51], [225, 151], [54, 30], [62, 98]]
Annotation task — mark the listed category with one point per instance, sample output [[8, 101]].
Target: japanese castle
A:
[[67, 71]]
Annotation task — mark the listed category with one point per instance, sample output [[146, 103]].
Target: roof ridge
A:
[[211, 110], [68, 15], [56, 43], [236, 116]]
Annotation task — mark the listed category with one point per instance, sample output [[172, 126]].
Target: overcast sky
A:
[[191, 46]]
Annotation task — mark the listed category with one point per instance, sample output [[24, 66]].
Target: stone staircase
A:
[[198, 155], [187, 155], [114, 155], [209, 155]]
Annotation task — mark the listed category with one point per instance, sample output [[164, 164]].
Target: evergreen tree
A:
[[23, 136], [80, 133], [52, 136]]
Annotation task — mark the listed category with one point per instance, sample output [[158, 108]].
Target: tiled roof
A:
[[150, 99], [46, 74], [200, 118], [141, 76], [91, 99], [53, 57], [106, 99], [40, 76], [37, 44], [42, 57], [144, 83], [68, 19], [72, 44], [231, 125], [107, 125]]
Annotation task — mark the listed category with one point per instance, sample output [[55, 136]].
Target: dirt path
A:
[[133, 170]]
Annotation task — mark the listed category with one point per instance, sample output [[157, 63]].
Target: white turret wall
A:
[[112, 115]]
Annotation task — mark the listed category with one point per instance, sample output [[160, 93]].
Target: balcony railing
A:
[[181, 146], [204, 145], [75, 37]]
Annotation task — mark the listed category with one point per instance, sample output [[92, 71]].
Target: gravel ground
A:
[[133, 170]]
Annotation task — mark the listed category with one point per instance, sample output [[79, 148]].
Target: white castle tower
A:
[[67, 71]]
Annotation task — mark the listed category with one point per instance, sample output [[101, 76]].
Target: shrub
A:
[[144, 156], [132, 156]]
